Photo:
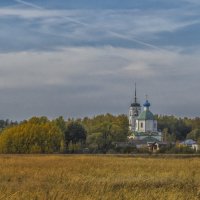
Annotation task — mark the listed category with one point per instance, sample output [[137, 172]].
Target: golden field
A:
[[98, 177]]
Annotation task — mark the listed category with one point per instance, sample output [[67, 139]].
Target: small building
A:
[[156, 146], [188, 143], [196, 147]]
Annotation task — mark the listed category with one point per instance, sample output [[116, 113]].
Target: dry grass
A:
[[98, 177]]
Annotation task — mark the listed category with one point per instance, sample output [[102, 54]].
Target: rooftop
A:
[[146, 115]]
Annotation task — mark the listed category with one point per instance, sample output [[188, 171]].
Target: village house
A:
[[191, 144]]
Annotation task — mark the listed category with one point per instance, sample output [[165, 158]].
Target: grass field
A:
[[98, 177]]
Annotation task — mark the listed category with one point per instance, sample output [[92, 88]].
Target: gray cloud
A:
[[87, 81]]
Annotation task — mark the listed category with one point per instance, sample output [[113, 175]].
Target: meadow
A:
[[66, 177]]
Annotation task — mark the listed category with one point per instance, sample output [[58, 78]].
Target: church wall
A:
[[131, 123], [149, 125], [133, 114], [155, 126], [141, 126]]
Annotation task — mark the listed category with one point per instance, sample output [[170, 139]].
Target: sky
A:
[[78, 58]]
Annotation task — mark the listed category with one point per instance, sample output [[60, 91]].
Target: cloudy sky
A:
[[79, 58]]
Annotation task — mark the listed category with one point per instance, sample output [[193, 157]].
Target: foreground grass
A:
[[98, 177]]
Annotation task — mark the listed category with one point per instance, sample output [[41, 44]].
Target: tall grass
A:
[[98, 177]]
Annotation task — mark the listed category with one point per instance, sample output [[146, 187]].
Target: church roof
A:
[[135, 104], [146, 133], [146, 115], [150, 139]]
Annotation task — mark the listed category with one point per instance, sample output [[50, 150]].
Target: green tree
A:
[[60, 122], [95, 141], [194, 134], [176, 126], [75, 133], [104, 130]]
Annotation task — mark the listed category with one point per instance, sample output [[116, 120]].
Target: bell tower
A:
[[134, 111]]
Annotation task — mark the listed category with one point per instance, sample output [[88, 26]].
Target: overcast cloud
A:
[[81, 58]]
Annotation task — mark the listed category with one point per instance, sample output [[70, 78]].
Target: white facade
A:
[[146, 125], [196, 147], [145, 121], [134, 112]]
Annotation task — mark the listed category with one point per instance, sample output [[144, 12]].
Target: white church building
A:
[[143, 125]]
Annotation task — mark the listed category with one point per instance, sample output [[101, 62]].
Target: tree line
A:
[[178, 129], [96, 134]]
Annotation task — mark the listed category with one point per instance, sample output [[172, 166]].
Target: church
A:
[[142, 124]]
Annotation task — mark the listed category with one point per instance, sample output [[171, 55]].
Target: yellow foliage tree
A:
[[38, 135]]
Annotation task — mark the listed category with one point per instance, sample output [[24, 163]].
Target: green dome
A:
[[146, 115]]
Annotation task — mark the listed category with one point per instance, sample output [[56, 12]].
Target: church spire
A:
[[135, 94], [135, 99], [134, 110]]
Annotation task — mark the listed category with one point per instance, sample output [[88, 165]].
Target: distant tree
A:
[[103, 130], [6, 123], [194, 134], [106, 132], [198, 141], [95, 141], [194, 123], [75, 133], [38, 120], [119, 129], [60, 122], [176, 126]]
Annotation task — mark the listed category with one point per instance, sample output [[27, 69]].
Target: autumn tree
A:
[[37, 135]]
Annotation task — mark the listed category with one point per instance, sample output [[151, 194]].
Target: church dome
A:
[[146, 104], [146, 115]]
